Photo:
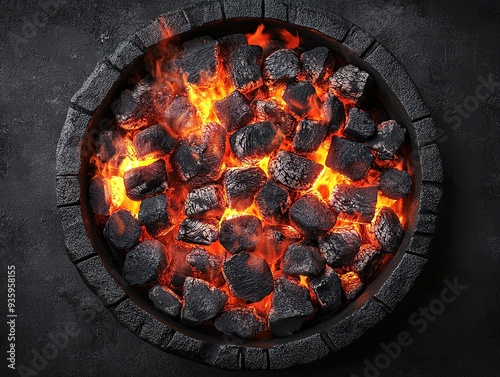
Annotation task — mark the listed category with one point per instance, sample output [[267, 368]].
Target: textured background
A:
[[446, 47]]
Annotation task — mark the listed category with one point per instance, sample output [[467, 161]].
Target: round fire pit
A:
[[249, 185]]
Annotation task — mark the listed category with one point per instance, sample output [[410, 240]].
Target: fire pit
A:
[[256, 193]]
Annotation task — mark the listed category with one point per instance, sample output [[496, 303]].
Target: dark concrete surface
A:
[[448, 48]]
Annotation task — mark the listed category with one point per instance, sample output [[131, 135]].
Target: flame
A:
[[291, 41], [259, 37]]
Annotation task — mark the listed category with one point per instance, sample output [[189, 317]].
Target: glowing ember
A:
[[209, 151]]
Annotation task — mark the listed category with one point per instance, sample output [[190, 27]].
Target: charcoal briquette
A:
[[386, 230], [255, 141], [293, 171], [280, 66], [349, 82], [143, 263], [302, 259], [248, 276], [146, 181], [122, 230], [317, 63], [327, 289], [240, 233], [290, 307], [354, 203], [242, 184], [244, 68], [156, 216], [339, 246], [201, 232], [273, 201], [349, 158], [309, 136], [271, 111], [333, 112], [106, 145], [165, 300], [206, 201], [367, 262], [234, 111], [300, 98], [388, 139], [241, 322], [394, 183], [182, 117], [154, 141], [351, 285], [204, 262], [202, 301], [199, 59], [311, 216], [360, 126], [99, 196]]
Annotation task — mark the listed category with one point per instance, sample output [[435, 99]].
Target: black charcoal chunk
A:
[[255, 141], [146, 181], [394, 183], [199, 59], [333, 112], [248, 276], [290, 307], [386, 230], [277, 238], [165, 300], [317, 63], [240, 233], [203, 261], [229, 43], [351, 285], [122, 230], [105, 145], [311, 216], [360, 126], [244, 68], [140, 106], [354, 203], [293, 171], [201, 232], [242, 322], [349, 158], [242, 184], [234, 111], [271, 111], [388, 139], [99, 196], [367, 262], [349, 82], [339, 246], [280, 66], [272, 46], [155, 216], [206, 201], [198, 159], [182, 117], [303, 259], [273, 201], [301, 98], [202, 302], [154, 141], [328, 289], [143, 263], [309, 136]]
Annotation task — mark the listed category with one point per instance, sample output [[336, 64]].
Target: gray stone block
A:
[[67, 190], [426, 131], [202, 13], [358, 40], [242, 8], [430, 197], [95, 87], [398, 81], [125, 53], [68, 147], [325, 22], [355, 325], [225, 356], [297, 352], [401, 280], [190, 348], [276, 9], [426, 223], [255, 358], [96, 276], [155, 332], [420, 245], [432, 168], [75, 235], [130, 315]]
